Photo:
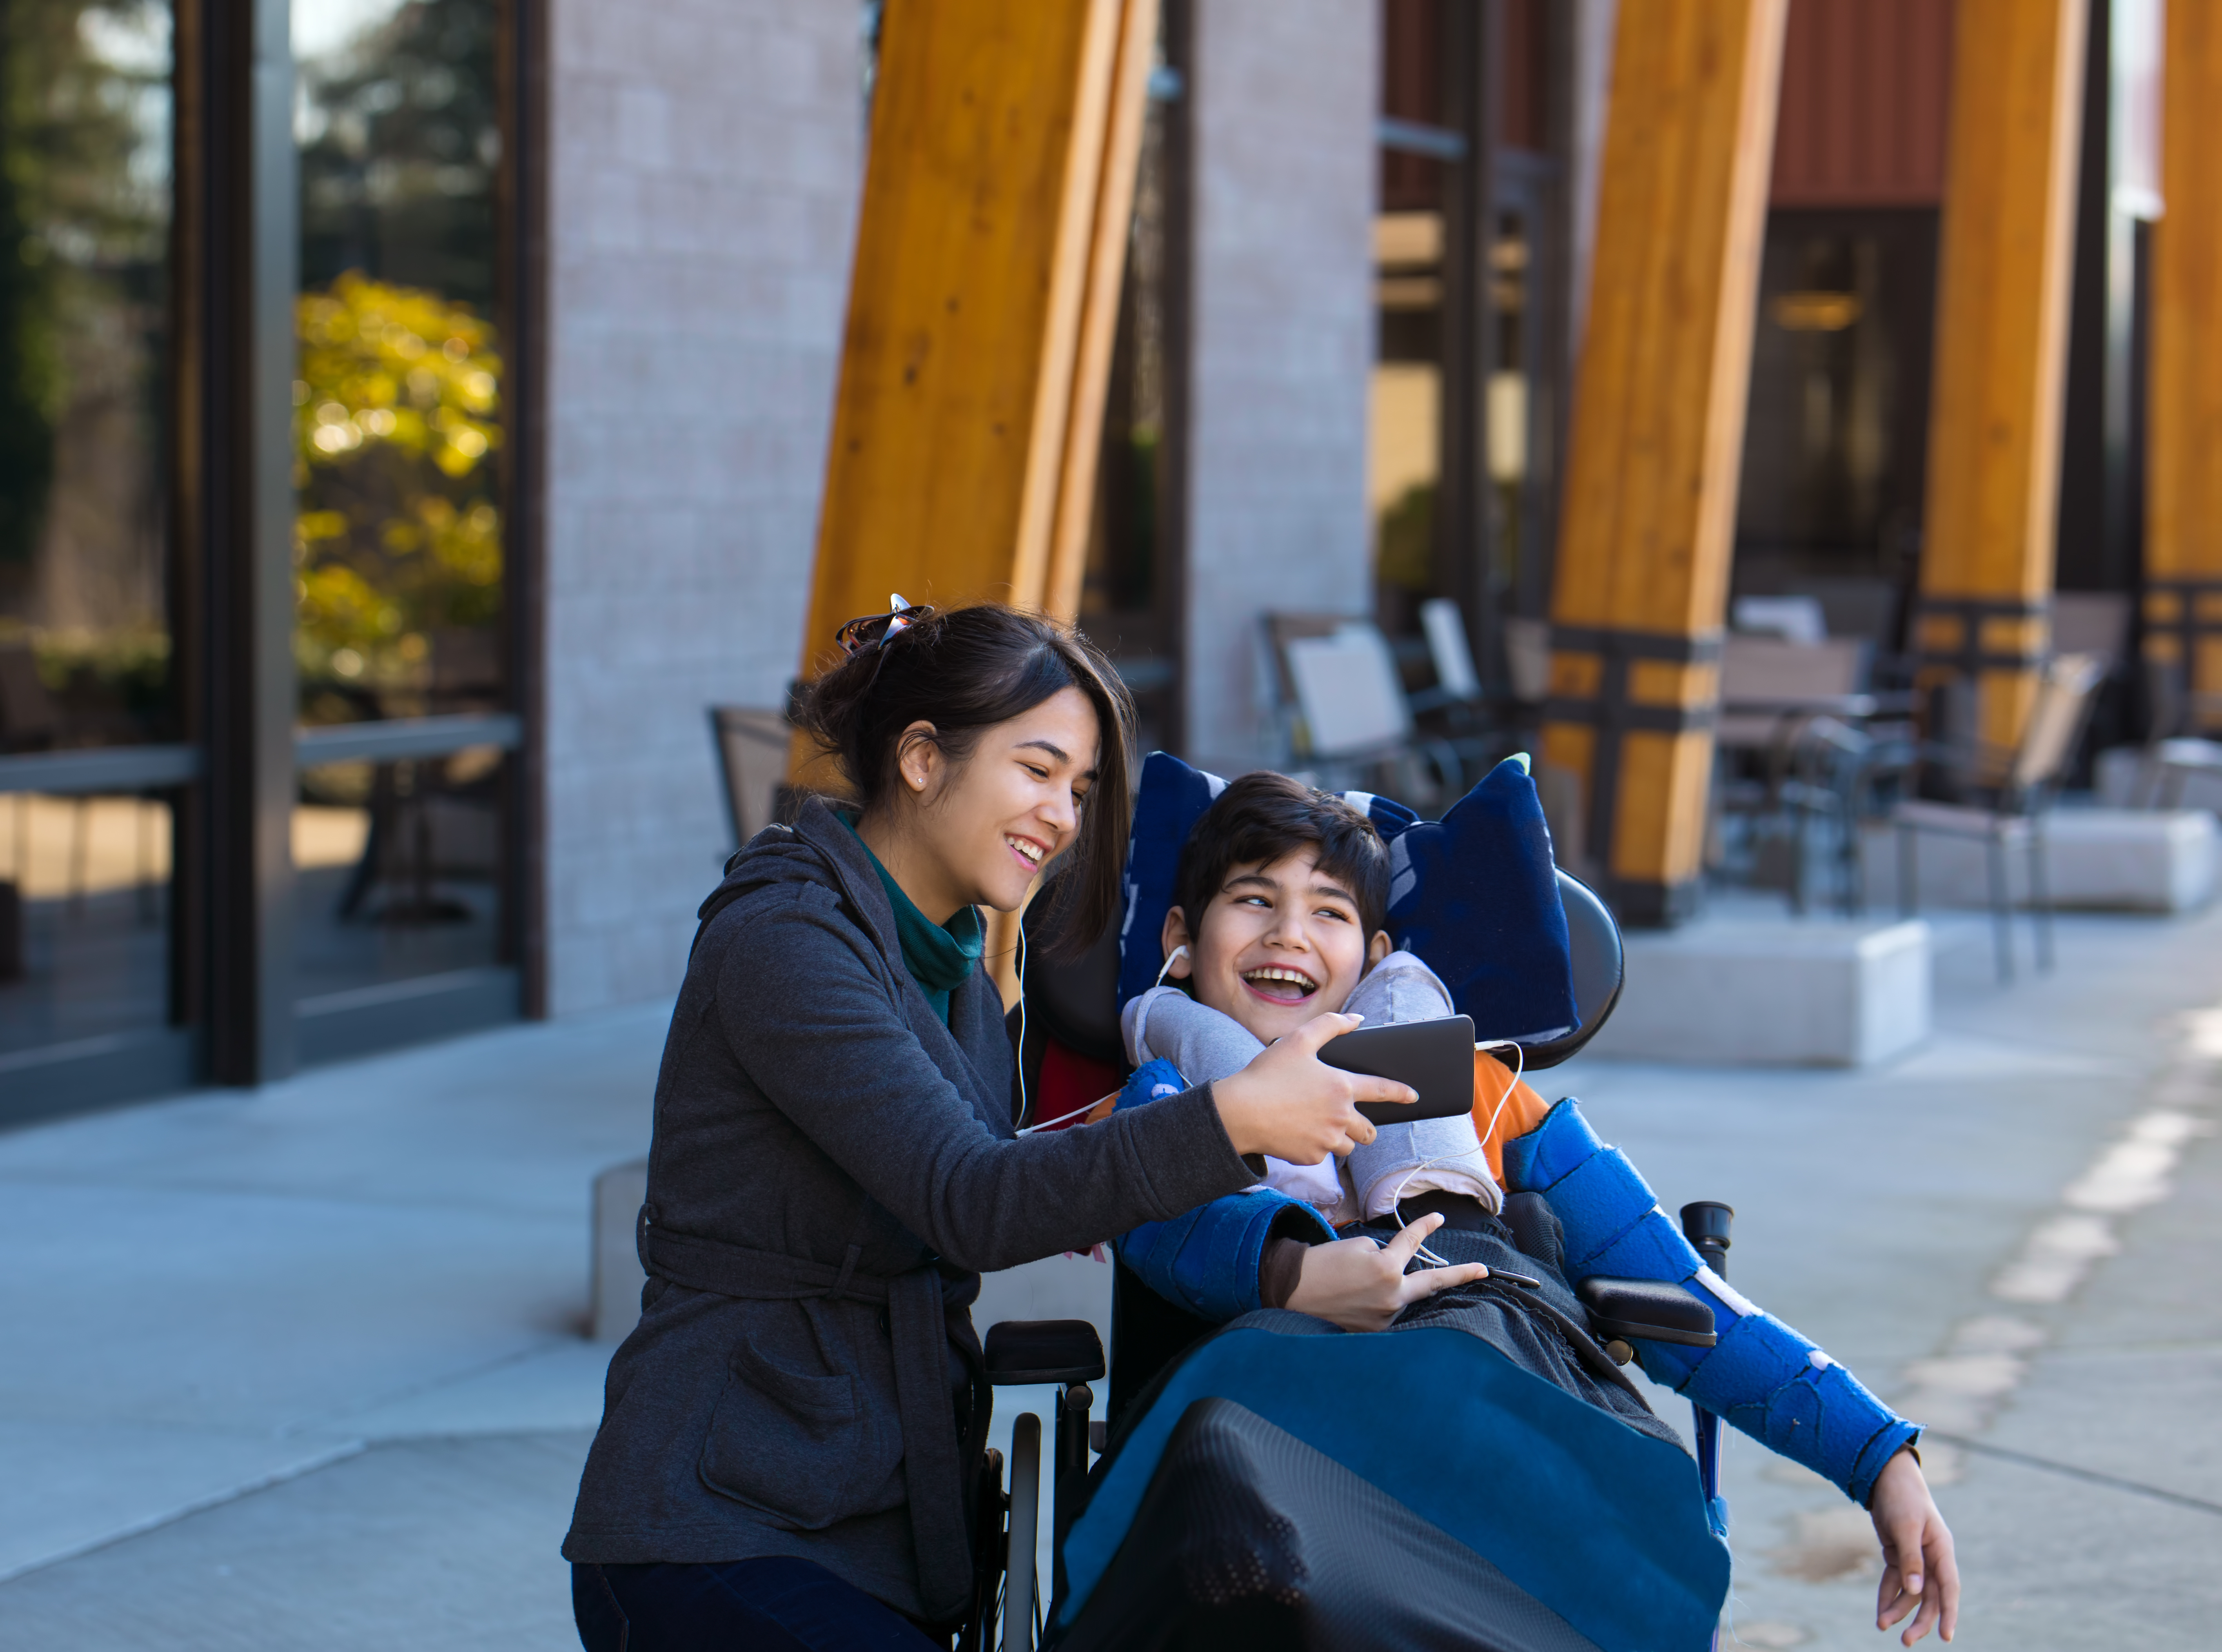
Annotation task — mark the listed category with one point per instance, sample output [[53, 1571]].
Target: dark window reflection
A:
[[84, 227], [1830, 495], [85, 637]]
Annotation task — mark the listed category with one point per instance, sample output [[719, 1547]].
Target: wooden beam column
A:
[[989, 253], [1657, 433], [2183, 435], [991, 245], [1984, 622]]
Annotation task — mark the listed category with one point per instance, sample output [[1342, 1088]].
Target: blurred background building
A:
[[413, 416]]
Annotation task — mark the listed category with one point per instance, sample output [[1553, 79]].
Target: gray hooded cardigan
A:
[[831, 1167]]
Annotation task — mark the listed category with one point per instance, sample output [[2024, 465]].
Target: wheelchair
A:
[[1180, 1449]]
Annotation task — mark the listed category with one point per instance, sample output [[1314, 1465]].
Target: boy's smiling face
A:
[[1278, 945]]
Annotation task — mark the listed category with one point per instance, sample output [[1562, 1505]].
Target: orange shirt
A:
[[1522, 1110]]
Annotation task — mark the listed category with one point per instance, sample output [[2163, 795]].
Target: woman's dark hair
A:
[[1262, 817], [965, 671]]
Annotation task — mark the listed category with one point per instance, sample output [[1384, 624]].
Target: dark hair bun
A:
[[964, 671]]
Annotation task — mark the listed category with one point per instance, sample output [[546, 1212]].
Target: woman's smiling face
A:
[[979, 833], [1278, 945]]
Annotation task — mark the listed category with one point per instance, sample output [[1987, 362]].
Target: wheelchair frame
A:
[[1070, 1356]]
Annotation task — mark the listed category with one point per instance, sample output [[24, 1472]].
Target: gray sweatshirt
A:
[[1403, 1160]]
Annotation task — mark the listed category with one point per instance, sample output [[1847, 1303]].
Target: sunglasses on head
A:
[[867, 630]]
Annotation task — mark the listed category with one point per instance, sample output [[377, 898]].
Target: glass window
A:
[[400, 534], [1465, 370], [85, 204], [1506, 418], [1829, 504], [1404, 450]]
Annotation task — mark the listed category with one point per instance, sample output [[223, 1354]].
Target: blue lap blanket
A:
[[1604, 1525]]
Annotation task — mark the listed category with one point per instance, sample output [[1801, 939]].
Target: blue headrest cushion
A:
[[1172, 797], [1475, 894]]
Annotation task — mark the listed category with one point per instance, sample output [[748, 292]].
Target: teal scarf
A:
[[937, 956]]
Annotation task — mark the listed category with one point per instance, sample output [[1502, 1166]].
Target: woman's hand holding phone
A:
[[1290, 1104]]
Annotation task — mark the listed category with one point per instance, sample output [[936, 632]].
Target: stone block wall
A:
[[1285, 96], [706, 168]]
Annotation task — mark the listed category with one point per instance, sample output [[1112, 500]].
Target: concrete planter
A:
[[1735, 992], [2099, 859]]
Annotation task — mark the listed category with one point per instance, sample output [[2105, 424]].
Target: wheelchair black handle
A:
[[1705, 1225]]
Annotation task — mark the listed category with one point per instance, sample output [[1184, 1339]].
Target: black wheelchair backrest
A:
[[1599, 967], [1075, 998]]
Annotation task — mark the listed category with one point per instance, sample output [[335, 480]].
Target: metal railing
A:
[[112, 769]]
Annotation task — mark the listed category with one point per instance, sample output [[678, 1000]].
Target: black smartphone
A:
[[1434, 1057]]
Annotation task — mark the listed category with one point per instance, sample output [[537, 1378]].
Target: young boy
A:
[[1283, 896]]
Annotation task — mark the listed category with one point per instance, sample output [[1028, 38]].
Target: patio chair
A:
[[752, 747], [1795, 748], [1347, 714], [2168, 767], [2096, 622], [1457, 683], [2176, 751], [1527, 658], [2026, 781], [1794, 619]]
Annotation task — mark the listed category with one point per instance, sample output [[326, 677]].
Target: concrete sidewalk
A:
[[305, 1366], [302, 1367]]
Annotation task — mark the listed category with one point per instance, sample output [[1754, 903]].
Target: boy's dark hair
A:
[[1262, 817], [964, 670]]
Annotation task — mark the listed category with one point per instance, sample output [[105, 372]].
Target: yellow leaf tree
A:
[[398, 536]]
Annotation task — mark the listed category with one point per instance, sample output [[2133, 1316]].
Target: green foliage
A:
[[398, 534], [27, 431], [83, 218], [1406, 553], [400, 136]]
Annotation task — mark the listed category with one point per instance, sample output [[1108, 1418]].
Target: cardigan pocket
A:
[[793, 1444]]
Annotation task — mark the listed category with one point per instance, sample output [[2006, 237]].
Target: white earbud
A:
[[1178, 953]]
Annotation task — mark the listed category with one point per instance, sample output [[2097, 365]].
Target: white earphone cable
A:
[[1178, 952], [1022, 1014], [1520, 1066]]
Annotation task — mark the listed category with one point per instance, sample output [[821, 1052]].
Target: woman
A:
[[786, 1437]]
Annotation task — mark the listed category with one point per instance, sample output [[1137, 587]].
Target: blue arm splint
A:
[[1763, 1376], [1206, 1260]]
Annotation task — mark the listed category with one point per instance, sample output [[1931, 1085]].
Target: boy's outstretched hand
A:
[[1918, 1569], [1361, 1286]]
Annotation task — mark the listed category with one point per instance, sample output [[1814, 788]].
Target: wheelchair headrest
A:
[[1599, 965], [1475, 894]]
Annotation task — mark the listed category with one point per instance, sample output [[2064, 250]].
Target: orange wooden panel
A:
[[2184, 497], [1658, 423], [2003, 271], [1099, 318], [981, 192], [2001, 306]]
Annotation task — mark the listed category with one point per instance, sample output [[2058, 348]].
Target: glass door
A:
[[404, 814], [90, 761]]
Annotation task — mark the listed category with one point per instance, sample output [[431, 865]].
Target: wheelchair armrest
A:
[[1043, 1351], [1621, 1309]]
